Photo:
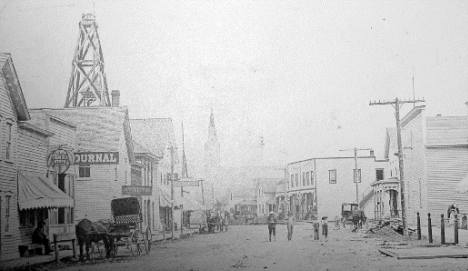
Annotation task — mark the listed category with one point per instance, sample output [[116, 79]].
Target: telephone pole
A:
[[355, 175], [397, 104], [172, 188]]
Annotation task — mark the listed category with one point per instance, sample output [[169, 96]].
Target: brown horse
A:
[[87, 232]]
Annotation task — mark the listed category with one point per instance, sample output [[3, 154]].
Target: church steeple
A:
[[212, 160], [212, 128]]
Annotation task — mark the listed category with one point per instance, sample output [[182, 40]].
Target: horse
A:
[[87, 232], [357, 217]]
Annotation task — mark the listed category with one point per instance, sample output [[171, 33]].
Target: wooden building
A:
[[319, 186], [13, 109], [103, 157], [157, 136], [265, 190], [435, 153]]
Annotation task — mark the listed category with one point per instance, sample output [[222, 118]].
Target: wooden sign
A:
[[137, 190], [96, 158], [60, 160]]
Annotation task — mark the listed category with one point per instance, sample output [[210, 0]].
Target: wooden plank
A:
[[387, 253], [433, 256], [58, 237]]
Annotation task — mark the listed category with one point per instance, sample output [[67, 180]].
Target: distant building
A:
[[158, 137], [319, 186], [265, 190]]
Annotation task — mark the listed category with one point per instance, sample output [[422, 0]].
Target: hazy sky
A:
[[298, 73]]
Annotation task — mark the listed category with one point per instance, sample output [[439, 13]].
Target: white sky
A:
[[290, 71]]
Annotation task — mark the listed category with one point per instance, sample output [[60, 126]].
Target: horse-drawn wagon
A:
[[123, 230]]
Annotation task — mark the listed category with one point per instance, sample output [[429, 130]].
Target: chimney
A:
[[115, 98], [371, 152]]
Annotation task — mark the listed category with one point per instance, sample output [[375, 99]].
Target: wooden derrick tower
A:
[[88, 83]]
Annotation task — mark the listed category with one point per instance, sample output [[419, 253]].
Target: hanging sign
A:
[[60, 160], [96, 158], [137, 190]]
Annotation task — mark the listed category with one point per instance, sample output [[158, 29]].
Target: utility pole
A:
[[202, 192], [172, 188], [397, 104], [355, 175]]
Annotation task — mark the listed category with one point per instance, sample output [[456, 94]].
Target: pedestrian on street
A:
[[272, 225], [316, 225], [325, 228], [290, 224], [451, 212]]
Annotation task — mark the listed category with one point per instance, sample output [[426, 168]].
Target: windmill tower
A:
[[88, 83]]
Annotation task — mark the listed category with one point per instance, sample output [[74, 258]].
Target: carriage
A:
[[125, 230]]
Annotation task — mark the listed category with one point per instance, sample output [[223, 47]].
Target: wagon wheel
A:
[[149, 239], [136, 243]]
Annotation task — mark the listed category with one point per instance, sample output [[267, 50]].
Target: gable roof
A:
[[98, 128], [155, 134], [8, 71], [447, 131]]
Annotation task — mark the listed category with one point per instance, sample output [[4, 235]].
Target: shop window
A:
[[61, 216], [9, 138], [358, 175], [292, 180], [312, 178], [27, 218], [332, 176], [303, 178], [84, 171], [379, 174]]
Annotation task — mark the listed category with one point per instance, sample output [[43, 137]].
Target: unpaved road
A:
[[247, 248]]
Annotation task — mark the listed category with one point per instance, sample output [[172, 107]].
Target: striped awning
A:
[[35, 191]]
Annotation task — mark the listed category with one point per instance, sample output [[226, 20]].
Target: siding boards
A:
[[446, 167]]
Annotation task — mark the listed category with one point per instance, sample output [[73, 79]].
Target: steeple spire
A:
[[184, 158]]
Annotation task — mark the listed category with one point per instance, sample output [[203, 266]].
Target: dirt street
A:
[[248, 248]]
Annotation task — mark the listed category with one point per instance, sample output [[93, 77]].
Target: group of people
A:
[[272, 221]]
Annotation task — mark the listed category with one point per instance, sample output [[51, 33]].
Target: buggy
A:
[[126, 227]]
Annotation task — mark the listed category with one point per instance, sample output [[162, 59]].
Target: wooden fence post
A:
[[419, 226], [429, 227], [442, 229], [455, 228]]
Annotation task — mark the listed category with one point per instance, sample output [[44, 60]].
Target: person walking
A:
[[290, 224], [316, 225], [272, 225], [325, 228]]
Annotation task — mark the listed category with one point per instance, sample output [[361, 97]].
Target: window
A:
[[379, 174], [84, 171], [292, 180], [332, 176], [308, 178], [297, 179], [8, 141], [116, 174], [7, 213], [311, 178], [304, 179], [61, 215], [358, 176]]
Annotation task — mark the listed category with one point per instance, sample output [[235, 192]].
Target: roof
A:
[[98, 128], [35, 191], [247, 202], [447, 130], [268, 184], [34, 128], [155, 134], [8, 71]]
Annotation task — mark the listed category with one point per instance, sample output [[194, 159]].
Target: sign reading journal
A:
[[87, 158]]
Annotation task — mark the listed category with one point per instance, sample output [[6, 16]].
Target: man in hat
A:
[[325, 228], [272, 225]]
